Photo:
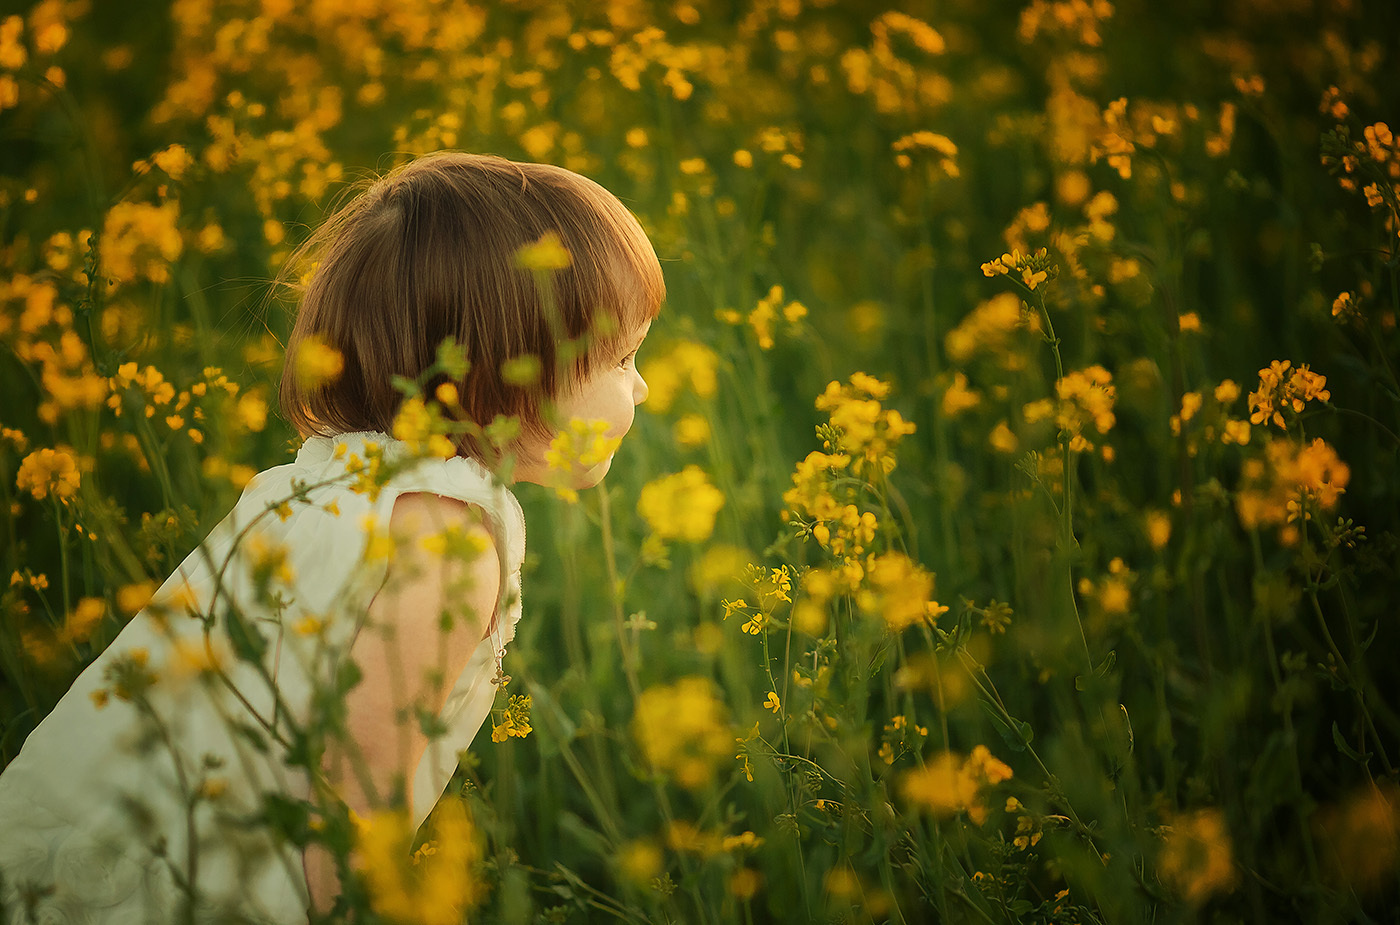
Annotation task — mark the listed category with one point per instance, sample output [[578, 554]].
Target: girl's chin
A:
[[590, 477]]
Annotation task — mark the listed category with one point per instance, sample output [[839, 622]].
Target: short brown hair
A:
[[428, 252]]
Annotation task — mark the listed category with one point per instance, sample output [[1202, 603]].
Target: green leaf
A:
[[1344, 748], [1014, 732], [248, 644]]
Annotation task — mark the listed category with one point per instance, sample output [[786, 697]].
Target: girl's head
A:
[[429, 252]]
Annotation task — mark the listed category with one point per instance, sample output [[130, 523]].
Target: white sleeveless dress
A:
[[89, 803]]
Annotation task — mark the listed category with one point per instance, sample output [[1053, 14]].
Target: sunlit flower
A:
[[681, 506], [682, 730], [544, 255], [317, 363], [1196, 855], [48, 471], [430, 888]]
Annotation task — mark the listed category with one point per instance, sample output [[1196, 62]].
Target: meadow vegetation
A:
[[1011, 532]]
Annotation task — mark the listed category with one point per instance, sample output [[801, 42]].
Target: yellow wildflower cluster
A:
[[1028, 829], [631, 60], [367, 475], [69, 379], [1217, 423], [1077, 20], [1361, 835], [47, 471], [1112, 594], [317, 363], [959, 397], [543, 256], [772, 588], [579, 446], [434, 886], [688, 837], [515, 720], [989, 329], [900, 591], [1030, 270], [175, 408], [681, 506], [950, 784], [682, 730], [1292, 482], [1346, 307], [898, 83], [810, 495], [898, 737], [1370, 164], [940, 150], [688, 364], [1196, 857], [45, 337], [1086, 397], [140, 241], [865, 431], [422, 427], [769, 311], [48, 34], [1280, 391]]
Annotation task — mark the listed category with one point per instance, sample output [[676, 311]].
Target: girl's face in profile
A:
[[610, 394]]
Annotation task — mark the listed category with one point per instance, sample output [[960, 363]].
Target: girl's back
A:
[[227, 704], [152, 747]]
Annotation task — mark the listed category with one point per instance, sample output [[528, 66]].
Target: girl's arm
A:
[[408, 659]]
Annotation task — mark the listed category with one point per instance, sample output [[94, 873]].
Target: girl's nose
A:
[[639, 387]]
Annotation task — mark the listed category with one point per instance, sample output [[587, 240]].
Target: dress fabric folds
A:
[[94, 808]]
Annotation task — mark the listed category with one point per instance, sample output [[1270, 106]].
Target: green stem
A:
[[615, 592]]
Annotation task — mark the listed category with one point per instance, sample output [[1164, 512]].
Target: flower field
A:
[[1012, 532]]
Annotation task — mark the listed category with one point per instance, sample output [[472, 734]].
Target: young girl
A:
[[364, 593]]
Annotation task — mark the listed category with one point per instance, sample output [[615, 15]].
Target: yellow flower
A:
[[317, 363], [1003, 439], [251, 412], [1277, 394], [950, 784], [773, 703], [515, 723], [44, 471], [12, 51], [1196, 855], [899, 591], [440, 886], [640, 861], [544, 255], [943, 152], [140, 241], [174, 160], [421, 427], [692, 430], [1159, 528], [131, 598], [689, 364], [681, 506], [84, 619], [959, 398], [682, 730]]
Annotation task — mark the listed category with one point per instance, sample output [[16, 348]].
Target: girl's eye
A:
[[626, 362]]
